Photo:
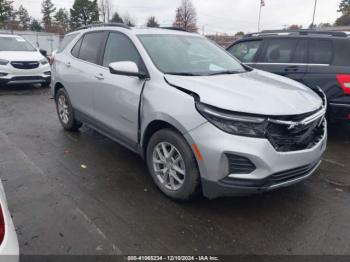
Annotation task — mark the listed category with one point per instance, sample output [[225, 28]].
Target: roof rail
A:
[[174, 28], [103, 24], [298, 32]]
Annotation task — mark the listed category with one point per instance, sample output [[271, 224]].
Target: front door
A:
[[117, 97]]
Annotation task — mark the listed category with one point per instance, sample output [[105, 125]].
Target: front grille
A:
[[239, 164], [275, 179], [20, 78], [285, 139], [291, 174], [25, 64]]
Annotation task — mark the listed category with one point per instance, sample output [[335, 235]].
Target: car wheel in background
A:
[[65, 111], [172, 165]]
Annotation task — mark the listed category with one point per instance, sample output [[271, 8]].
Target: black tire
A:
[[72, 124], [191, 185]]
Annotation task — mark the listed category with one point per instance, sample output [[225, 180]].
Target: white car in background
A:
[[9, 250], [22, 63]]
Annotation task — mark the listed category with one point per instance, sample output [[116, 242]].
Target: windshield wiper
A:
[[225, 72], [181, 74]]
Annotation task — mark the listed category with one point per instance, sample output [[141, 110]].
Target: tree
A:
[[62, 19], [295, 27], [116, 18], [84, 12], [344, 8], [106, 10], [23, 17], [152, 22], [186, 17], [47, 9], [35, 26], [129, 21], [6, 10], [239, 34]]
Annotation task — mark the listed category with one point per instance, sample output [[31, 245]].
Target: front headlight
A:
[[234, 123], [3, 62], [44, 61]]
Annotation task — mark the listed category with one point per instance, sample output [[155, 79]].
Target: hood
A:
[[255, 92], [21, 55]]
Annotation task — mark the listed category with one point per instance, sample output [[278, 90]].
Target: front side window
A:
[[245, 51], [320, 52], [91, 46], [188, 55], [15, 44], [120, 48], [279, 51]]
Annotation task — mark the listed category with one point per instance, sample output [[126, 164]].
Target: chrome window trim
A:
[[289, 64]]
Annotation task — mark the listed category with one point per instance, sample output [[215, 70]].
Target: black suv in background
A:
[[314, 58]]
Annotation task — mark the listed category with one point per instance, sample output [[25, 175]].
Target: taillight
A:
[[344, 81], [2, 226]]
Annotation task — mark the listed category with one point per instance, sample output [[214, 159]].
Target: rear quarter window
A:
[[341, 52]]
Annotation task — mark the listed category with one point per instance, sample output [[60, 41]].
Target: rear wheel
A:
[[172, 165], [65, 111]]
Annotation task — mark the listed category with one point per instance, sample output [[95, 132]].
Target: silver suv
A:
[[203, 122]]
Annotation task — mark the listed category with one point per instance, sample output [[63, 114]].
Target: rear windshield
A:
[[15, 44]]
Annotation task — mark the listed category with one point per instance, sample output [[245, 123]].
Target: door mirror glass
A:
[[127, 68]]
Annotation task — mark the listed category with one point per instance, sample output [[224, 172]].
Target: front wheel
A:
[[172, 165], [65, 111]]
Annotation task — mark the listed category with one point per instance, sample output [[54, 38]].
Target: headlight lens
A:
[[44, 61], [233, 123], [3, 62]]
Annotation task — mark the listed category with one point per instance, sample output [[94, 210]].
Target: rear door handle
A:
[[100, 76]]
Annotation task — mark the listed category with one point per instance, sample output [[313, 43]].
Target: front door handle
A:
[[291, 69], [68, 64], [100, 76]]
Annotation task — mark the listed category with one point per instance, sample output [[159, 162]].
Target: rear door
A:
[[284, 56], [80, 71]]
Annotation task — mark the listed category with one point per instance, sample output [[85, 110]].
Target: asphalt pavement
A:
[[81, 193]]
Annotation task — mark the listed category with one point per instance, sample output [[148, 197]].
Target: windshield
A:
[[189, 55], [15, 44]]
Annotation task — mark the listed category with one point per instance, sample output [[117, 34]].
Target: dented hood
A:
[[255, 92]]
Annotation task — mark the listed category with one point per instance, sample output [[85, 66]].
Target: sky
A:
[[218, 16]]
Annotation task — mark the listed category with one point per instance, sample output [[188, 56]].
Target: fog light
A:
[[3, 74], [48, 73]]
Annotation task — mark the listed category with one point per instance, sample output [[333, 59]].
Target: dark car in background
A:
[[314, 58]]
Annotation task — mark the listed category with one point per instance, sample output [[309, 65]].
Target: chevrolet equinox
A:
[[203, 122]]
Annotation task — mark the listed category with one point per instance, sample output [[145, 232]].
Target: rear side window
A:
[[280, 51], [91, 46], [245, 51], [300, 55], [321, 52], [120, 48], [66, 41]]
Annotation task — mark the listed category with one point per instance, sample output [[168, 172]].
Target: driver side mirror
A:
[[43, 52], [127, 68]]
